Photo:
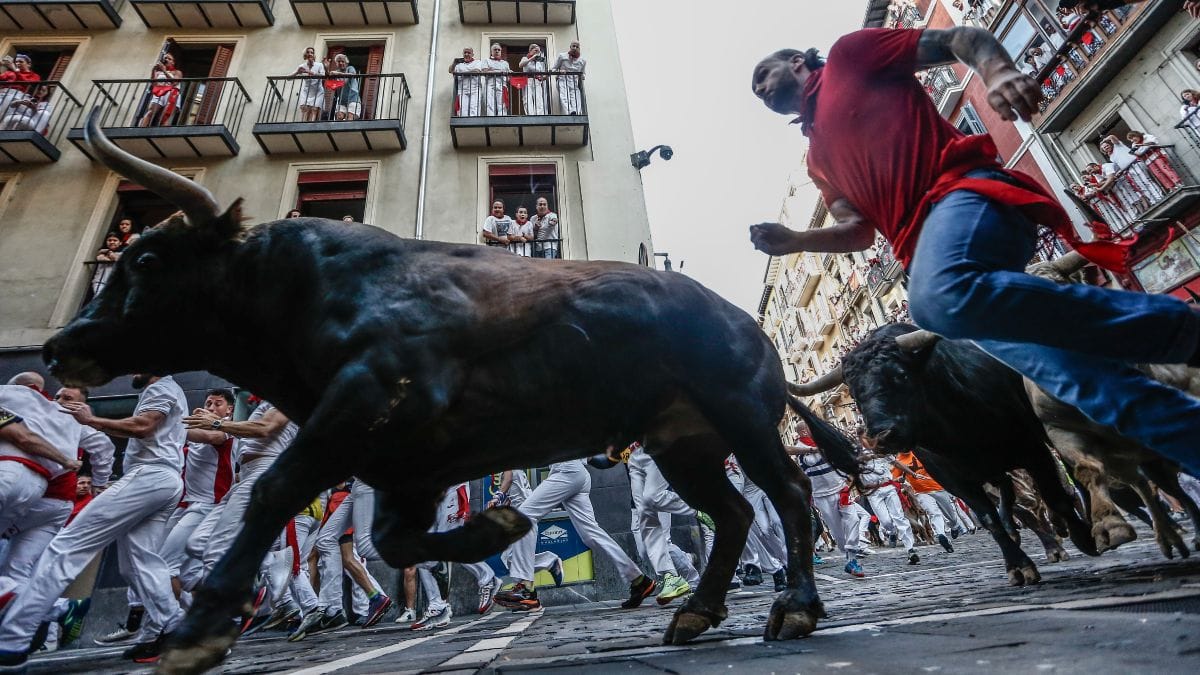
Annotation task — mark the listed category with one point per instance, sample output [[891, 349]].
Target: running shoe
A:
[[409, 615], [818, 560], [72, 620], [955, 532], [147, 652], [673, 586], [13, 662], [330, 622], [519, 598], [945, 543], [779, 576], [866, 550], [124, 633], [913, 558], [281, 616], [556, 572], [753, 575], [639, 589], [432, 619], [487, 594], [892, 540], [375, 611], [309, 623], [706, 520], [854, 569]]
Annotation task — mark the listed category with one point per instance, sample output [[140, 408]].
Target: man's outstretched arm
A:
[[850, 233], [1011, 93]]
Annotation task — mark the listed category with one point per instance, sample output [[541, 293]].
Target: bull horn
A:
[[1192, 294], [824, 383], [197, 203], [917, 340], [1069, 264]]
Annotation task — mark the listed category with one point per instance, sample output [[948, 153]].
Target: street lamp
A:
[[641, 159], [667, 261]]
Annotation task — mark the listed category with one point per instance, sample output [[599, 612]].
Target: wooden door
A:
[[370, 85], [211, 100]]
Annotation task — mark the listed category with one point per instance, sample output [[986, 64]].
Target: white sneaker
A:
[[487, 594], [119, 636], [434, 619], [409, 615]]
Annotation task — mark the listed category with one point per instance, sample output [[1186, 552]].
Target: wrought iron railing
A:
[[183, 102], [518, 94], [1190, 128], [44, 107], [541, 248], [1136, 189], [940, 80], [100, 270], [1084, 45], [335, 98]]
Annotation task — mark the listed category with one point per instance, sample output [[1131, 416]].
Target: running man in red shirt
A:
[[965, 227]]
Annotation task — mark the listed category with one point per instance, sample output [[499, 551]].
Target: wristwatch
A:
[[216, 424]]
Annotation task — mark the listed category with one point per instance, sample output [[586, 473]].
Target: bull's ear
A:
[[229, 224]]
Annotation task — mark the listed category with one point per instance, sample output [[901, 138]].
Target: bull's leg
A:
[[1109, 527], [694, 466], [795, 612], [1044, 532], [1007, 500], [1044, 472], [1021, 570], [402, 520], [1167, 479]]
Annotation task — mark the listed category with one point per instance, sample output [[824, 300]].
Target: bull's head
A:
[[884, 377], [149, 316]]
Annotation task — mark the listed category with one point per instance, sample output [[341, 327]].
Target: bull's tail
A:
[[838, 450]]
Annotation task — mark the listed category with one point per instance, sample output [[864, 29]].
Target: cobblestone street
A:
[[1127, 611]]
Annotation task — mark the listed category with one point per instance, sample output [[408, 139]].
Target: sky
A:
[[687, 68]]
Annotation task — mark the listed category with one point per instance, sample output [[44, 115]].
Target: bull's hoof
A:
[[1024, 575], [1111, 532], [205, 636], [1056, 554], [794, 615], [1169, 541], [197, 657], [692, 619], [489, 532]]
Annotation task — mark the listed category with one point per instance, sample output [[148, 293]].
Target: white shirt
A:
[[43, 418], [164, 446], [313, 86], [546, 226], [469, 85], [526, 231], [100, 450], [876, 472], [824, 478], [208, 471], [270, 446], [519, 490], [501, 227], [566, 63], [1121, 156]]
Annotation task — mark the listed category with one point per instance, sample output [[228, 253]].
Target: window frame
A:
[[291, 186], [483, 194]]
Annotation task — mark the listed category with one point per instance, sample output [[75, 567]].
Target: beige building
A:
[[399, 145]]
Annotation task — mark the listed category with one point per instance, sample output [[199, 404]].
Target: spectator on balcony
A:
[[522, 234], [468, 88], [534, 95], [18, 71], [105, 257], [545, 230], [1148, 151], [495, 91], [1038, 57], [29, 114], [312, 92], [1133, 185], [128, 231], [294, 213], [346, 100], [1190, 112], [164, 93], [347, 219], [570, 84], [497, 226], [1068, 18]]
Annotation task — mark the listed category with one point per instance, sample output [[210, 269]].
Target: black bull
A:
[[416, 365], [967, 418]]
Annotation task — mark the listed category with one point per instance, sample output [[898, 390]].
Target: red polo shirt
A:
[[877, 140]]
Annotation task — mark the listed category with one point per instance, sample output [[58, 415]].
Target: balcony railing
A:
[[1138, 189], [205, 13], [32, 121], [519, 109], [99, 272], [187, 117], [543, 248], [1190, 128], [347, 113], [45, 15], [940, 83], [560, 12], [355, 12], [882, 271]]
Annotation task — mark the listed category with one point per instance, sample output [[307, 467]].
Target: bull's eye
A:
[[147, 261]]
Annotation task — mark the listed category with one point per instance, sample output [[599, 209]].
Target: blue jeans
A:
[[1074, 341]]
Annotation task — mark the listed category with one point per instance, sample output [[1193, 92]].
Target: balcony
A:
[[31, 127], [1096, 50], [809, 278], [355, 12], [530, 12], [31, 15], [1157, 188], [1189, 128], [98, 273], [944, 87], [545, 248], [980, 13], [300, 115], [205, 13], [883, 271], [516, 110], [192, 117]]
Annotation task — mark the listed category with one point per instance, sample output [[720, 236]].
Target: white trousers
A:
[[1190, 485], [446, 520], [930, 506], [357, 510], [229, 524], [842, 522], [299, 583], [767, 530], [570, 95], [754, 552], [191, 572], [20, 488], [568, 484], [30, 535], [653, 497], [886, 503], [133, 512], [542, 560], [180, 527]]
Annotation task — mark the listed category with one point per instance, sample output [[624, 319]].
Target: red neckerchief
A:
[[812, 87]]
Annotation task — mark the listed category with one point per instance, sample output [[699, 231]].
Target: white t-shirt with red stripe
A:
[[207, 471]]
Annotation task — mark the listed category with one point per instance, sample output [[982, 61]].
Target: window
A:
[[50, 61], [366, 57], [196, 101], [969, 122], [521, 185], [333, 194]]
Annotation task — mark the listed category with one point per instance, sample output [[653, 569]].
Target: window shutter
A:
[[212, 90], [370, 88], [60, 65]]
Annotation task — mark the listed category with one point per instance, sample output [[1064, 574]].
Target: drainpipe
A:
[[419, 233]]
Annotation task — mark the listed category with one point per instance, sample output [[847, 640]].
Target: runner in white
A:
[[512, 490], [452, 513], [133, 512], [830, 497], [653, 497]]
